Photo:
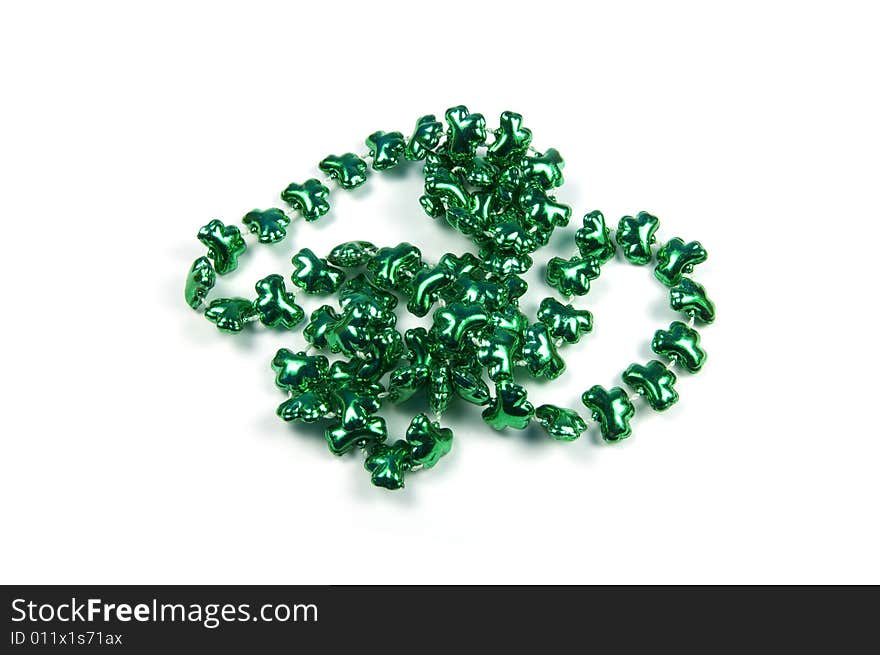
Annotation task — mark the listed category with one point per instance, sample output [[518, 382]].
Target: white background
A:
[[139, 445]]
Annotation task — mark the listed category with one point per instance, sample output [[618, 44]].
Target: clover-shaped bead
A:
[[424, 288], [654, 381], [459, 265], [690, 298], [425, 137], [465, 221], [321, 328], [504, 264], [481, 173], [470, 288], [510, 318], [297, 371], [635, 236], [512, 140], [351, 254], [515, 287], [542, 209], [432, 205], [309, 198], [392, 268], [349, 170], [466, 132], [270, 225], [511, 236], [498, 350], [468, 385], [224, 243], [564, 321], [199, 281], [389, 464], [366, 299], [275, 305], [539, 353], [308, 407], [612, 409], [560, 423], [485, 205], [341, 440], [509, 185], [230, 315], [381, 354], [681, 344], [571, 277], [675, 258], [315, 275], [428, 441], [453, 322], [509, 408], [594, 238], [447, 187], [545, 169], [386, 149], [353, 406]]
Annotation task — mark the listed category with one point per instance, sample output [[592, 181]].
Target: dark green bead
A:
[[351, 254], [635, 236], [341, 440], [298, 372], [542, 209], [509, 185], [498, 350], [465, 221], [509, 408], [564, 321], [690, 298], [481, 173], [366, 299], [230, 314], [425, 287], [353, 406], [539, 353], [545, 169], [389, 464], [654, 381], [313, 274], [504, 264], [432, 205], [466, 132], [511, 236], [471, 289], [439, 389], [224, 243], [405, 381], [270, 225], [484, 204], [309, 198], [349, 170], [510, 318], [675, 258], [428, 441], [680, 343], [307, 407], [612, 409], [459, 265], [392, 268], [321, 328], [382, 353], [425, 137], [516, 287], [386, 149], [571, 277], [454, 322], [199, 281], [275, 305], [447, 187], [469, 385], [594, 238], [560, 423], [512, 140]]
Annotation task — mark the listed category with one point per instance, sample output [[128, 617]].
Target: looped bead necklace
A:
[[498, 195]]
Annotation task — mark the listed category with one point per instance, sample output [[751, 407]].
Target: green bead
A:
[[382, 353], [510, 318], [224, 243], [504, 264], [424, 289], [481, 173], [269, 225], [654, 381], [509, 185], [428, 441], [389, 464], [466, 132], [439, 389], [419, 345], [392, 268], [512, 140], [386, 149], [321, 328], [453, 322], [516, 287], [612, 409], [432, 205], [406, 381], [571, 277], [314, 275], [545, 169], [366, 299], [484, 204], [354, 406], [307, 407], [351, 254], [309, 198], [564, 321], [498, 350], [542, 209], [468, 385], [298, 371], [681, 344], [465, 221], [474, 290], [690, 298], [341, 440], [425, 137], [275, 305], [349, 170], [199, 281], [230, 314], [594, 238], [676, 258], [458, 266], [509, 408], [539, 353], [447, 187], [635, 236], [511, 236], [560, 423]]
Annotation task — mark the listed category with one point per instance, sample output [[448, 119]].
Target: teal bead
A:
[[298, 372], [353, 406], [571, 277], [349, 170], [199, 281], [481, 173], [594, 238], [635, 236], [512, 140], [439, 389], [675, 258], [654, 381], [230, 315], [455, 321], [270, 225], [465, 134], [468, 385], [509, 408], [351, 254], [681, 344], [498, 350], [690, 298], [448, 188], [542, 209], [425, 137], [341, 440], [392, 268], [560, 423], [308, 407], [564, 321], [308, 198], [386, 149], [275, 305], [225, 244], [425, 287], [545, 169], [321, 328], [389, 464], [315, 275], [612, 409], [539, 353], [428, 441]]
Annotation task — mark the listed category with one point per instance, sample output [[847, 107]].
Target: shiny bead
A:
[[432, 205], [542, 209], [351, 254], [468, 385], [321, 328], [510, 318], [511, 236], [512, 140], [484, 204], [447, 187], [349, 170], [465, 221], [681, 344], [509, 185], [365, 298], [309, 198], [560, 423], [612, 409], [230, 314], [341, 440], [453, 322], [307, 407], [389, 464], [404, 382], [539, 353], [498, 351], [269, 225], [199, 281], [466, 132], [275, 305], [515, 287], [439, 389], [297, 371], [504, 264], [425, 137], [654, 381], [594, 238], [545, 169], [690, 298], [635, 236], [425, 287], [564, 321], [392, 268], [475, 290], [481, 173], [314, 275], [224, 243], [509, 408], [386, 149], [428, 441], [571, 277], [383, 350], [676, 258], [354, 406], [459, 265]]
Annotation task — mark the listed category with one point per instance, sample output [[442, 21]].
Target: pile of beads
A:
[[499, 195]]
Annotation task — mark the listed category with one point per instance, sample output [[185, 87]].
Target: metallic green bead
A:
[[542, 209], [594, 238], [353, 406], [321, 328], [468, 385], [510, 318], [428, 441], [309, 198], [466, 132], [512, 140], [510, 183], [382, 353], [298, 372], [509, 408], [544, 170], [275, 305], [560, 423], [351, 254], [690, 298], [504, 264], [481, 173], [425, 137], [366, 299], [612, 409], [453, 322], [675, 258], [498, 350], [571, 277], [447, 187], [681, 344], [392, 268], [635, 236], [424, 289], [564, 321], [386, 149], [459, 265], [269, 225], [465, 221], [511, 236], [432, 205], [539, 353], [485, 205], [199, 281], [349, 170], [389, 464], [341, 440], [308, 407], [439, 389], [516, 287], [405, 381], [315, 275], [654, 381], [224, 243], [474, 290], [230, 314]]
